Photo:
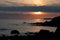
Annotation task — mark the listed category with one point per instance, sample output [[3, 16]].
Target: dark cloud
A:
[[32, 8]]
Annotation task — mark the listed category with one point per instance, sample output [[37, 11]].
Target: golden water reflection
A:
[[38, 20]]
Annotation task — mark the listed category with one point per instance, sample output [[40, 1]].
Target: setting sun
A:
[[37, 13]]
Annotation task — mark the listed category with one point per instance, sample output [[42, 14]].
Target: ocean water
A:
[[7, 25]]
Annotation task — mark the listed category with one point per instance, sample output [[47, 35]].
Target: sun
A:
[[37, 13]]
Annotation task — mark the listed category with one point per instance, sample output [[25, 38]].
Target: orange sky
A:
[[29, 2]]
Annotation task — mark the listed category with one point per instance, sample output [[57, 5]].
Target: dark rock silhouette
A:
[[54, 22], [15, 32]]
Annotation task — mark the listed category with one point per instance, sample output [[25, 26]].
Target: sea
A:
[[7, 25]]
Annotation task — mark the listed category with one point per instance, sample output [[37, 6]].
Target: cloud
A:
[[9, 3], [29, 2], [32, 8], [16, 3]]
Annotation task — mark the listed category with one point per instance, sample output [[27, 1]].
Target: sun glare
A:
[[37, 13]]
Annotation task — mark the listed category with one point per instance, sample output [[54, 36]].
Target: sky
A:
[[29, 2], [16, 8]]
